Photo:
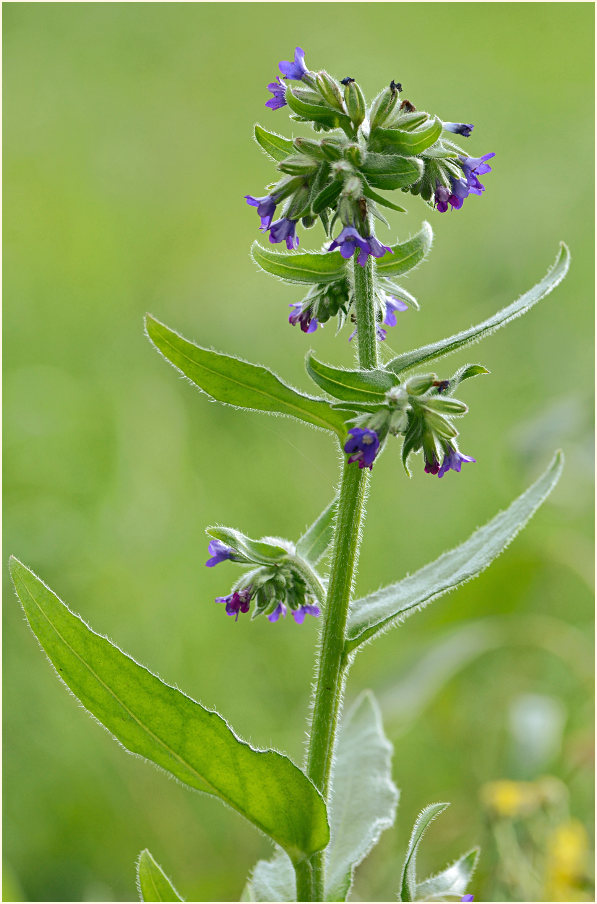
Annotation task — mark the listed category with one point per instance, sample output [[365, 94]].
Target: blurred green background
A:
[[126, 157]]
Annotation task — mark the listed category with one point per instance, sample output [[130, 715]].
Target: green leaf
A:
[[364, 797], [379, 199], [407, 255], [445, 346], [235, 382], [161, 724], [326, 197], [451, 882], [408, 882], [277, 147], [385, 608], [464, 373], [349, 385], [259, 551], [315, 541], [152, 882], [304, 267], [317, 113], [400, 141], [273, 880], [391, 171]]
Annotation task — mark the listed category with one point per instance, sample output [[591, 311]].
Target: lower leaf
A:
[[152, 882]]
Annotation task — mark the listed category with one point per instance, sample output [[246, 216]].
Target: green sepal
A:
[[408, 143], [238, 383], [391, 171], [326, 197], [408, 881], [152, 882], [349, 385], [406, 255], [379, 199], [389, 606], [259, 551], [311, 112], [439, 153], [452, 882], [275, 146], [314, 543], [305, 267], [159, 723], [426, 353]]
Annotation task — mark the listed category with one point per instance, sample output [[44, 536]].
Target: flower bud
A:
[[438, 424], [298, 165], [310, 148], [445, 405], [383, 106], [329, 90], [421, 384], [298, 203], [354, 153], [330, 149], [355, 103]]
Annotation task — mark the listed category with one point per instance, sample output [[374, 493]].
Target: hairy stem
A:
[[304, 881], [351, 510]]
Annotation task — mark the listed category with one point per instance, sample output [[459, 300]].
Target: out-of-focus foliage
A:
[[127, 154]]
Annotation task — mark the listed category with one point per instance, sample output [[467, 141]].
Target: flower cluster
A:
[[460, 188]]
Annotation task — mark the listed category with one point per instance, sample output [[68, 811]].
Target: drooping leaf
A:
[[389, 171], [152, 882], [349, 385], [364, 797], [277, 147], [235, 382], [408, 882], [451, 882], [392, 604], [445, 346], [411, 142], [273, 880], [379, 199], [163, 725], [315, 542], [407, 255], [254, 550], [300, 267]]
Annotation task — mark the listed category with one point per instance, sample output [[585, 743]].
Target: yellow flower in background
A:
[[509, 799], [567, 861]]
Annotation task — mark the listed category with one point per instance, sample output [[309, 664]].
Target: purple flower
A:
[[266, 208], [459, 128], [452, 461], [468, 898], [474, 167], [308, 323], [236, 602], [393, 305], [362, 446], [431, 464], [297, 68], [219, 552], [453, 196], [284, 229], [280, 610], [350, 239], [278, 89], [299, 614]]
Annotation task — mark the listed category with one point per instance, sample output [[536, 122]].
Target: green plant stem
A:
[[304, 881], [331, 669]]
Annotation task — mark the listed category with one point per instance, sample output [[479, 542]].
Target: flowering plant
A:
[[325, 817]]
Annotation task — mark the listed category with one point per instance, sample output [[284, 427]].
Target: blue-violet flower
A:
[[308, 323], [266, 208], [280, 610], [459, 128], [278, 89], [296, 69], [350, 239], [452, 462], [299, 614], [219, 552], [362, 446], [284, 230], [236, 602]]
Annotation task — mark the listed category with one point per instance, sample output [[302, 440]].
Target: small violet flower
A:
[[280, 610], [459, 128], [362, 446], [468, 898], [393, 305], [278, 89], [308, 323], [299, 614], [266, 208], [350, 239], [453, 460], [284, 230], [219, 552], [472, 168], [236, 602], [297, 69]]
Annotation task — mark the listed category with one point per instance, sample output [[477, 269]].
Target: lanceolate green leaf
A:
[[391, 171], [163, 725], [317, 538], [238, 383], [277, 147], [317, 112], [326, 197], [152, 881], [349, 385], [304, 267], [452, 882], [391, 605], [364, 797], [445, 346], [407, 255], [399, 141], [408, 884]]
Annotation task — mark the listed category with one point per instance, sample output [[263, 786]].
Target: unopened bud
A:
[[330, 150], [329, 90], [439, 425], [298, 165], [382, 107], [445, 405], [298, 203], [421, 384], [309, 147], [355, 103]]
